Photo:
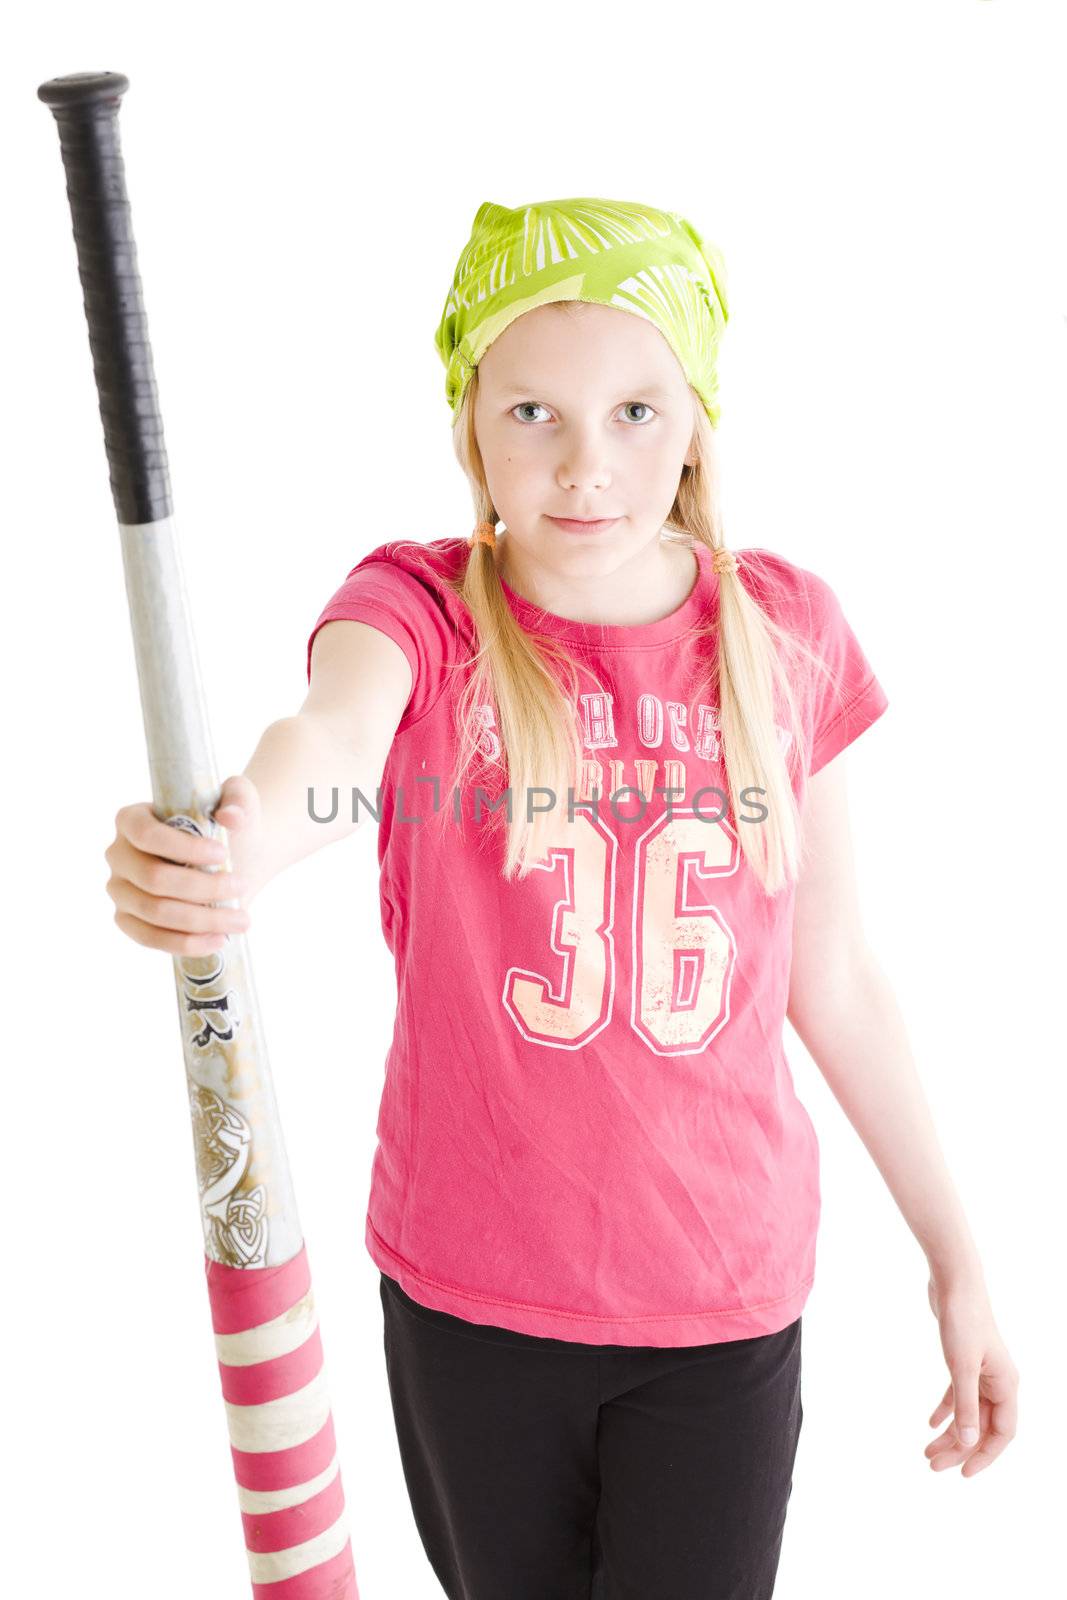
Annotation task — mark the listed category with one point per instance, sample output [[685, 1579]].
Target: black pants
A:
[[541, 1469]]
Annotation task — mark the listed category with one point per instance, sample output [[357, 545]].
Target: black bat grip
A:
[[86, 106]]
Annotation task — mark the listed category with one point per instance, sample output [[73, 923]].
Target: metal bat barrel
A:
[[266, 1331]]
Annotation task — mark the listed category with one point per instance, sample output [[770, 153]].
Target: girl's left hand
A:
[[982, 1394]]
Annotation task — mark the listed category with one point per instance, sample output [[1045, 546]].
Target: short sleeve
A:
[[849, 697], [384, 595]]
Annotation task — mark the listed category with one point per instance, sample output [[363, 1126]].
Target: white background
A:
[[887, 185]]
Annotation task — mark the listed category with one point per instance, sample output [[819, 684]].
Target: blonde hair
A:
[[513, 669]]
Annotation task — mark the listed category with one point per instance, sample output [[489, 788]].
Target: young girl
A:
[[604, 753]]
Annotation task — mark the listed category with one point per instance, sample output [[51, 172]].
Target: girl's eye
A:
[[527, 405], [534, 405], [641, 406]]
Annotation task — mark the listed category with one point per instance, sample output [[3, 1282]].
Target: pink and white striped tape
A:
[[281, 1431]]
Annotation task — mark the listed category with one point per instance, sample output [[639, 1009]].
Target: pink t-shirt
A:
[[588, 1128]]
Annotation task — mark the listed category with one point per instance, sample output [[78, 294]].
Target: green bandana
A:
[[652, 263]]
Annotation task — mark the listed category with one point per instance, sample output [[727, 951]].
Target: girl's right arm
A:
[[340, 738]]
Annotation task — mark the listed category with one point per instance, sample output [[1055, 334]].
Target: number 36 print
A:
[[682, 948]]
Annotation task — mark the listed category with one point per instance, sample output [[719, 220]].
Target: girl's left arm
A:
[[845, 1013]]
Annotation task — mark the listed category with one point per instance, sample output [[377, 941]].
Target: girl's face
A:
[[583, 413]]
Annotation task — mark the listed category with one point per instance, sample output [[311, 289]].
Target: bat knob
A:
[[83, 89]]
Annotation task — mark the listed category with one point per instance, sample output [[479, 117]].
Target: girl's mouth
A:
[[574, 525]]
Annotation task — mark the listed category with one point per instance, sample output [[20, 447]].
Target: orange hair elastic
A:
[[724, 560], [484, 533]]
